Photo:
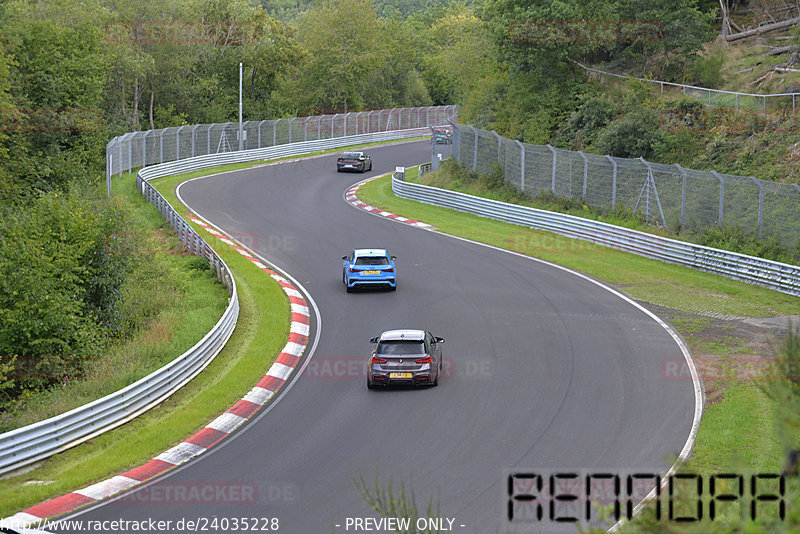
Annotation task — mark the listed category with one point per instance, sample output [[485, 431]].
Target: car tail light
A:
[[378, 359], [353, 270], [389, 270], [425, 359]]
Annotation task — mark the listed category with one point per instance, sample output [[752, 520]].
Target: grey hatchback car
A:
[[405, 357]]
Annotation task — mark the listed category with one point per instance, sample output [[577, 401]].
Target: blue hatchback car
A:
[[369, 267]]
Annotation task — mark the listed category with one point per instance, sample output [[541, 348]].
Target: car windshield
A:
[[372, 260], [400, 348], [350, 155]]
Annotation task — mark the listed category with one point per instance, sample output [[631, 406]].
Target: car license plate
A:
[[370, 272], [399, 375]]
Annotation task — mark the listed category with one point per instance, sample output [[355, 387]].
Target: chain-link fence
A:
[[139, 149], [663, 194], [775, 105]]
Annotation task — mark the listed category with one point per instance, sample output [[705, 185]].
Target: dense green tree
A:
[[346, 46]]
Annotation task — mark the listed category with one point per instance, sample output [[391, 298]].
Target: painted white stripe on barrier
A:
[[180, 453], [258, 395], [278, 370], [107, 487], [297, 308], [299, 328], [295, 349], [227, 422]]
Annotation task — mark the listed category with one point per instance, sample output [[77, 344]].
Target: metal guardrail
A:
[[32, 443], [772, 274]]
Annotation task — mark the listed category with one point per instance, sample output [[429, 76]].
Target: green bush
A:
[[733, 238], [62, 266], [707, 71], [584, 123], [631, 136]]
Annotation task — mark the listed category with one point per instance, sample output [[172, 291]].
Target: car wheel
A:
[[436, 380], [369, 384], [349, 289], [393, 288], [370, 165]]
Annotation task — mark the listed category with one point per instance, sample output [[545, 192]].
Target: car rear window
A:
[[401, 347], [350, 155], [372, 260]]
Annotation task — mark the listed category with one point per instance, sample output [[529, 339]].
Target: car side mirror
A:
[[440, 340], [344, 257], [393, 257], [373, 340]]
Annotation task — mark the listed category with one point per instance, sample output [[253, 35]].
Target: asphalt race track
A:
[[546, 369]]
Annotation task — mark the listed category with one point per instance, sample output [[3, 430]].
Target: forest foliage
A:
[[74, 73]]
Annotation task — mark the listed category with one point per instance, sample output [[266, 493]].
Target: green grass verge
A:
[[262, 329], [167, 289], [722, 445], [741, 429], [261, 332], [642, 278]]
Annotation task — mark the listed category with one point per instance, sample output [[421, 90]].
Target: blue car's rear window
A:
[[401, 347], [372, 260]]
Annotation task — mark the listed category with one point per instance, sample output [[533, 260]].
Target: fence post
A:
[[760, 205], [721, 195], [652, 181], [613, 181], [130, 151], [521, 165], [178, 142], [194, 139], [499, 144], [585, 173], [683, 195], [764, 98], [553, 174], [475, 151]]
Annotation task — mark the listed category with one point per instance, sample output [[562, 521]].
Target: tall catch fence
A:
[[664, 195], [140, 149]]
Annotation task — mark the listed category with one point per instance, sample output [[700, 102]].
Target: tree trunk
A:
[[764, 29], [152, 98], [135, 124]]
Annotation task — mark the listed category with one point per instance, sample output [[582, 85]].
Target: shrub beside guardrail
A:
[[772, 274]]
